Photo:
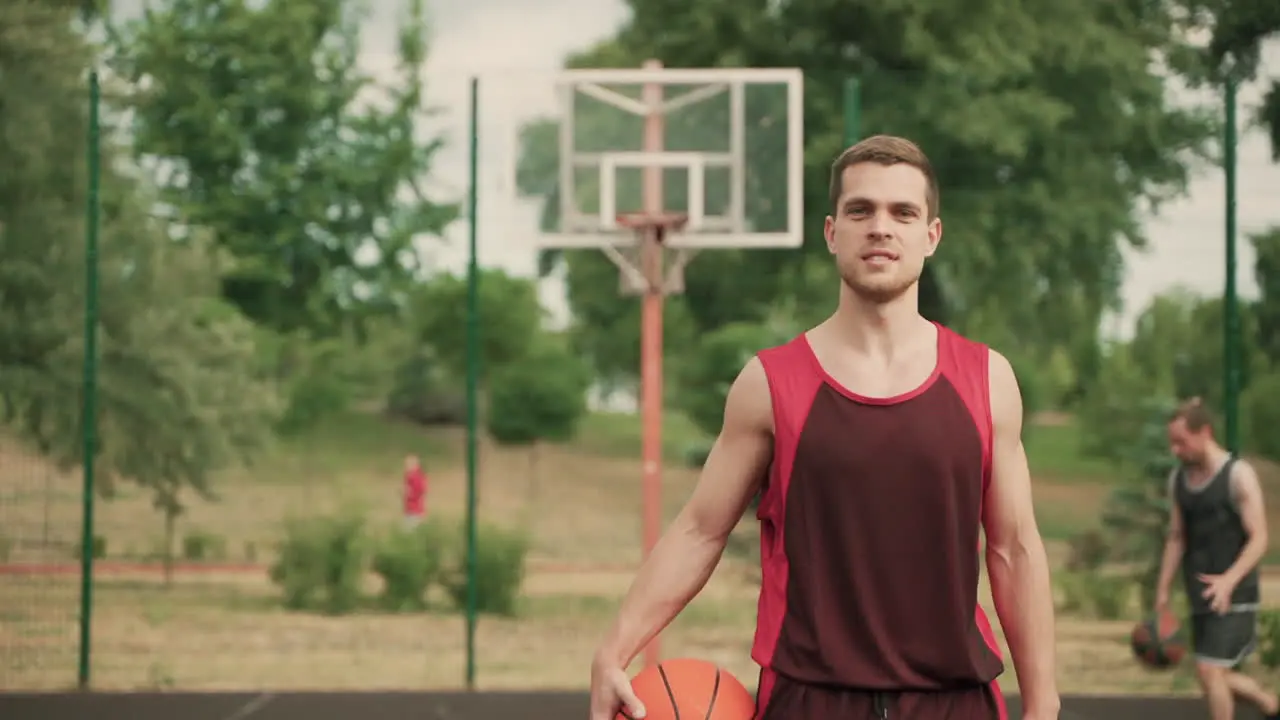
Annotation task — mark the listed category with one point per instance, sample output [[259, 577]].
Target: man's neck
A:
[[878, 328], [1214, 458]]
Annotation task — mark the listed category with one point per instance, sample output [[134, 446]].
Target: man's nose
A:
[[878, 226]]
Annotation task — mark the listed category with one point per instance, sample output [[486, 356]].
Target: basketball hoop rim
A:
[[646, 221]]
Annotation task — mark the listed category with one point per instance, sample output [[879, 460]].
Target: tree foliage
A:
[[541, 397], [1049, 145], [509, 319], [1239, 31], [260, 127], [1136, 516], [179, 395], [1176, 352], [712, 367]]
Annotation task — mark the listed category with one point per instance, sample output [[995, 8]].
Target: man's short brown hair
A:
[[1194, 413], [885, 150]]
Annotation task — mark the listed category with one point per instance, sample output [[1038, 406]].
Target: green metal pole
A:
[[1230, 301], [90, 400], [852, 110], [473, 382]]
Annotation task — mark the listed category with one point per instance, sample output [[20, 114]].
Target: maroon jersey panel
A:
[[870, 530]]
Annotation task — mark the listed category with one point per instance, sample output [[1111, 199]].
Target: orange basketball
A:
[[687, 688], [1157, 641]]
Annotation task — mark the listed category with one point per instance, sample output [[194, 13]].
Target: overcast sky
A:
[[496, 38]]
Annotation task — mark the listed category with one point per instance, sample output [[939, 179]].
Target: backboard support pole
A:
[[715, 209], [651, 350]]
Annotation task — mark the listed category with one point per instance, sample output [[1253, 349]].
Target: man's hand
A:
[[1162, 601], [1218, 590], [611, 692]]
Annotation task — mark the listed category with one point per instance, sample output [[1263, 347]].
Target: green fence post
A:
[[473, 382], [1230, 302], [852, 110], [89, 403]]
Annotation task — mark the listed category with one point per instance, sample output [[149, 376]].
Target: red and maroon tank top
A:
[[869, 527]]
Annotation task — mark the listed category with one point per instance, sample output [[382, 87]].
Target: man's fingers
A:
[[630, 703], [602, 711]]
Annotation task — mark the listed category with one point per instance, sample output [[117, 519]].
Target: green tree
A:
[[178, 393], [1239, 31], [712, 368], [540, 398], [1048, 151], [255, 119], [510, 319], [1136, 516], [1266, 269], [1177, 345], [1113, 412]]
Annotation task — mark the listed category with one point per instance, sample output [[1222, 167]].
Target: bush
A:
[[198, 545], [99, 548], [1087, 551], [421, 394], [409, 562], [695, 456], [321, 562], [1091, 594], [1269, 639], [500, 560], [1261, 416]]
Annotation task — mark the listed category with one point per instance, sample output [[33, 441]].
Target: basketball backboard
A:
[[721, 147]]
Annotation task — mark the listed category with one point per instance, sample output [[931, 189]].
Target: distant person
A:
[[1217, 536], [415, 492]]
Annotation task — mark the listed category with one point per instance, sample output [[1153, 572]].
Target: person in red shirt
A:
[[415, 491]]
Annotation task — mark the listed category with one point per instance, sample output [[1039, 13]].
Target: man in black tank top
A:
[[1217, 536]]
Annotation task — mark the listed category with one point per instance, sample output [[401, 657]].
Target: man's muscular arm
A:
[[1174, 546], [682, 561], [1246, 491], [1016, 560]]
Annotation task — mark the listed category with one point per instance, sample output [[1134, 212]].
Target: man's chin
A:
[[879, 292]]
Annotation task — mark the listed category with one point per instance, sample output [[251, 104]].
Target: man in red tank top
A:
[[883, 448]]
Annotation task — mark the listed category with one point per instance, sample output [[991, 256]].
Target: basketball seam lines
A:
[[715, 690], [670, 695]]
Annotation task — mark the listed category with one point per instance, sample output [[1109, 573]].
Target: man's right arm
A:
[[685, 556], [1174, 545]]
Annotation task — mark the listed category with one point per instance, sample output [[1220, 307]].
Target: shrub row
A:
[[323, 562]]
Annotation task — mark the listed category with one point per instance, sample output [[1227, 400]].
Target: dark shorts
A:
[[785, 699], [1224, 640]]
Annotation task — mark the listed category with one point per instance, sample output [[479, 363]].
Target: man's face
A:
[[1189, 446], [881, 232]]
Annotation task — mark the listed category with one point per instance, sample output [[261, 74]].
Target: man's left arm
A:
[[1246, 491], [1016, 561]]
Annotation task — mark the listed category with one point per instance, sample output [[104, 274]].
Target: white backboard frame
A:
[[703, 232], [691, 163]]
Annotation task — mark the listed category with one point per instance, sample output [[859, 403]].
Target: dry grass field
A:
[[225, 629]]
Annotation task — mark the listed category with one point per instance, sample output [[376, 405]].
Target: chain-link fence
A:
[[284, 482]]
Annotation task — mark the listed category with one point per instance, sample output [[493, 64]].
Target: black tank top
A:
[[1214, 535]]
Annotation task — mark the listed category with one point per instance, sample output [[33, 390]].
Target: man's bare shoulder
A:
[[1244, 477], [749, 404], [1006, 396]]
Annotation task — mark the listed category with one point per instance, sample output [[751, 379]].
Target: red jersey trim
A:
[[793, 384]]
